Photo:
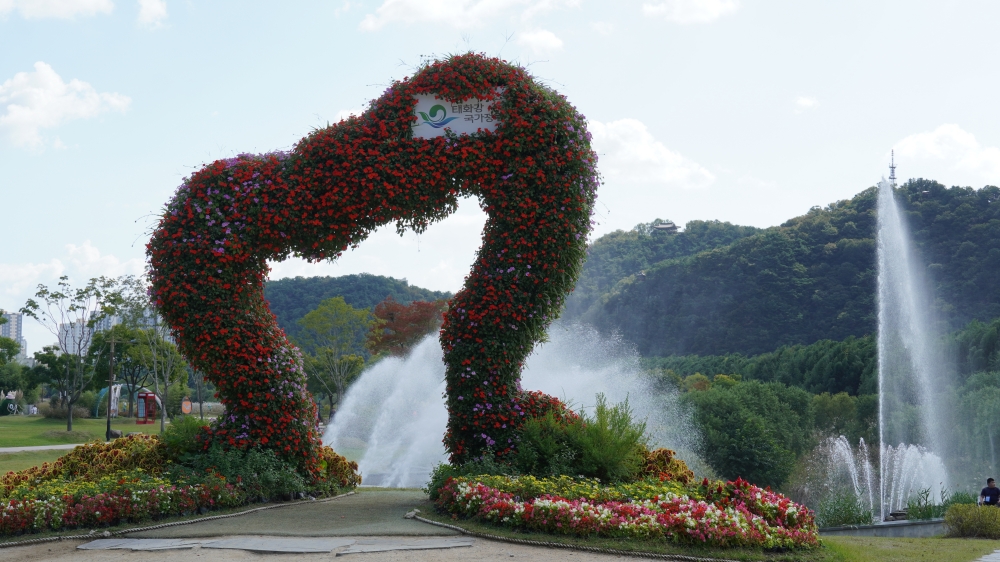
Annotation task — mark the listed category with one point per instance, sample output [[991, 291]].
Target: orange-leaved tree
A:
[[399, 327]]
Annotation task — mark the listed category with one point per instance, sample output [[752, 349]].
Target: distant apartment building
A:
[[75, 338], [12, 329], [148, 320]]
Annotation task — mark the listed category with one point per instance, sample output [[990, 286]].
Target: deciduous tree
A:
[[333, 335], [400, 327], [70, 315]]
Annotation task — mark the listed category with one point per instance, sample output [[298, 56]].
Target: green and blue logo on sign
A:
[[433, 120]]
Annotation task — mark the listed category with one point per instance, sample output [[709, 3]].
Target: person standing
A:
[[990, 494]]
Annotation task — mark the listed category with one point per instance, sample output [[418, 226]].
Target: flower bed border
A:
[[567, 546], [105, 534], [733, 514]]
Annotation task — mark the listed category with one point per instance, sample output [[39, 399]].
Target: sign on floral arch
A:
[[468, 125]]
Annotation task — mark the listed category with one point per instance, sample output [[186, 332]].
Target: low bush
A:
[[609, 445], [664, 465], [181, 436], [611, 442], [843, 507], [965, 520], [56, 411], [337, 471], [259, 472], [92, 461], [530, 487]]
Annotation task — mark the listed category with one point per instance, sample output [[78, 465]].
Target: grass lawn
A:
[[835, 549], [20, 461], [30, 431], [893, 550]]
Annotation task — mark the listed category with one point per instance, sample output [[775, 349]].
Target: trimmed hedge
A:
[[975, 521]]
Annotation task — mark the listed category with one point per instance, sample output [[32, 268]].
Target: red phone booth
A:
[[145, 408]]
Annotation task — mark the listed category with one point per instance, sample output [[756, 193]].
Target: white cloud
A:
[[152, 13], [805, 103], [18, 281], [627, 151], [16, 278], [603, 27], [88, 261], [62, 9], [540, 41], [37, 100], [691, 11], [949, 154], [461, 14]]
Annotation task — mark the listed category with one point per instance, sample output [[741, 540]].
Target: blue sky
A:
[[750, 112]]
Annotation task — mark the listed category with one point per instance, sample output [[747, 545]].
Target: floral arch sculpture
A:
[[534, 174]]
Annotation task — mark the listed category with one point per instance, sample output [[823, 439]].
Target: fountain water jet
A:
[[910, 364], [393, 418]]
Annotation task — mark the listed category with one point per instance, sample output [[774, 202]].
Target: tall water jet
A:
[[910, 365], [393, 418]]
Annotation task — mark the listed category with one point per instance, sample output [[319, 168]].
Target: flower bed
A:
[[735, 514], [131, 479], [114, 499]]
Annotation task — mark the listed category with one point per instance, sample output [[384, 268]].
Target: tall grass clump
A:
[[843, 507]]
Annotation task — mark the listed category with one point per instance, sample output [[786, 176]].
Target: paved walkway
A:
[[994, 557], [39, 448], [369, 522], [369, 512]]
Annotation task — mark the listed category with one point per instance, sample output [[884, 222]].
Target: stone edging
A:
[[639, 554], [885, 525], [105, 534]]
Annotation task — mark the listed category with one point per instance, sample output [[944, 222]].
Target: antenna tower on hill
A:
[[892, 169]]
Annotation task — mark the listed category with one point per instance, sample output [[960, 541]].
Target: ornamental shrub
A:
[[337, 471], [93, 461], [259, 472], [662, 464], [611, 442], [609, 445], [975, 521], [548, 447], [181, 436]]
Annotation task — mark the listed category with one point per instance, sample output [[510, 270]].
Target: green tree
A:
[[333, 336], [130, 367], [753, 430], [70, 315], [12, 378], [332, 373], [156, 350], [292, 298], [8, 350]]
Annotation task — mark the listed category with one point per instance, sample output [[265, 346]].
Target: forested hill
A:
[[620, 254], [293, 298], [810, 279]]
